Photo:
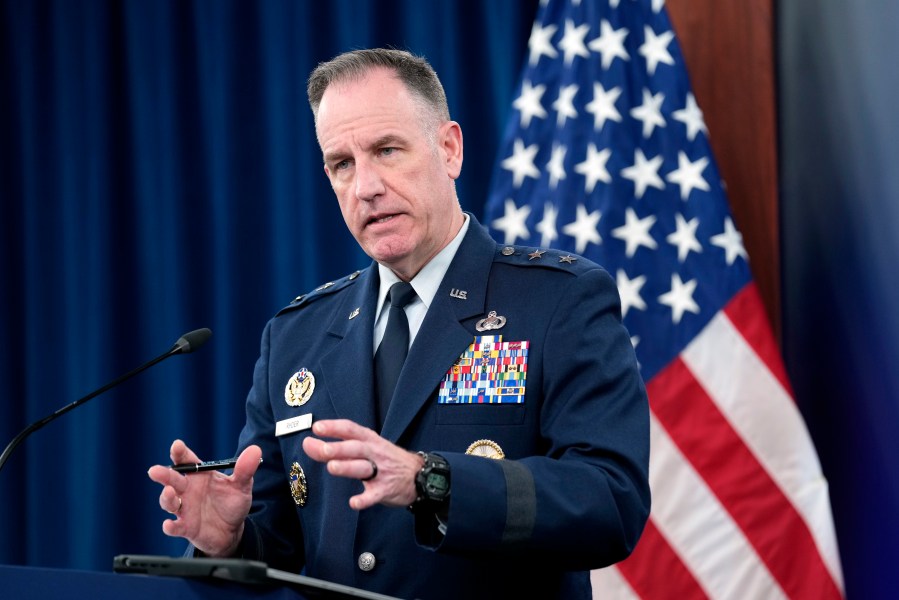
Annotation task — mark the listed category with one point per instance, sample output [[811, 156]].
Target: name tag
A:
[[293, 425]]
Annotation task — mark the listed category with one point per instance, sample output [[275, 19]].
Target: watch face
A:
[[436, 484]]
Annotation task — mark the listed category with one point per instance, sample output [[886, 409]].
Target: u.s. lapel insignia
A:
[[493, 321], [299, 388], [354, 314], [460, 294], [487, 449], [298, 488]]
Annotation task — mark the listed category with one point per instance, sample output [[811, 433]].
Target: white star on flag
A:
[[610, 44], [732, 242], [583, 229], [680, 298], [556, 165], [547, 225], [691, 117], [629, 290], [644, 173], [602, 107], [685, 237], [688, 175], [528, 103], [564, 105], [521, 163], [513, 222], [594, 167], [655, 49], [572, 42], [635, 232], [650, 112], [540, 43]]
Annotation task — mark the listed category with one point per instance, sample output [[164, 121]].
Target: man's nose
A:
[[369, 184]]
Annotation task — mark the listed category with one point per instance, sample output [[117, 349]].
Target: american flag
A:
[[606, 154]]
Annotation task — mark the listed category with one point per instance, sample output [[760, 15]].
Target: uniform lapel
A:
[[442, 337], [347, 367]]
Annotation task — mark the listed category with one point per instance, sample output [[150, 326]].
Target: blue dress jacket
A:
[[570, 495]]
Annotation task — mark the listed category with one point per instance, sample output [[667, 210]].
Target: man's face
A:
[[394, 185]]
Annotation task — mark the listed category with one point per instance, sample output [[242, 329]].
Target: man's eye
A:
[[340, 166], [388, 151]]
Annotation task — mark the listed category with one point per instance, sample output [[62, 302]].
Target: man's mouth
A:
[[380, 219]]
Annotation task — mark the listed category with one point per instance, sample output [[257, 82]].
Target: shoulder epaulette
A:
[[321, 291], [552, 258]]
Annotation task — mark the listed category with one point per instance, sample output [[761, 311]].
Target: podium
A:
[[182, 579], [64, 584]]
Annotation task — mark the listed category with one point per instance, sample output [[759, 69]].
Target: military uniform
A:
[[522, 355]]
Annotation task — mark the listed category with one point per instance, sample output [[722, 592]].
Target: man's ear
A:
[[450, 136]]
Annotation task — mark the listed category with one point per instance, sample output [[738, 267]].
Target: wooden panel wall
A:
[[729, 50]]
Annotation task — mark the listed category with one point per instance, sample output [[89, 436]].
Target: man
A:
[[520, 384]]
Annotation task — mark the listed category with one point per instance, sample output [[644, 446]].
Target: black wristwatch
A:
[[432, 484]]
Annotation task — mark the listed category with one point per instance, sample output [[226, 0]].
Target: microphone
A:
[[186, 343], [189, 342]]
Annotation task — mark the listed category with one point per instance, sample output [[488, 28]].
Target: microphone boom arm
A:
[[186, 343]]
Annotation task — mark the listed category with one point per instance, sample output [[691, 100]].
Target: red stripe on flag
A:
[[652, 556], [746, 311], [756, 503]]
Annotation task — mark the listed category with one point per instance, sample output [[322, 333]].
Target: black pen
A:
[[212, 465]]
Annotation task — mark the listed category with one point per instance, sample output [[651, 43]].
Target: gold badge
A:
[[299, 388], [298, 488], [487, 449]]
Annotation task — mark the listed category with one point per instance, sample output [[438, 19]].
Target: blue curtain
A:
[[840, 209], [159, 173]]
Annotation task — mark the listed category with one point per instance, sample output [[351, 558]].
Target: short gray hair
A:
[[414, 71]]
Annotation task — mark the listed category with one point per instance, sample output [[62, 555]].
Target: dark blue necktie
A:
[[394, 346]]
